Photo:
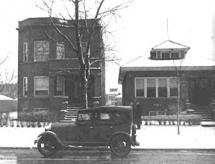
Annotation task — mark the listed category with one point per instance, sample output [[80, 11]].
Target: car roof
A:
[[109, 108]]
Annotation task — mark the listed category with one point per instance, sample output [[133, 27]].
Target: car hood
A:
[[62, 125]]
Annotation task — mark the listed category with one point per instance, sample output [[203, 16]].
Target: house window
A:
[[25, 86], [60, 51], [158, 55], [162, 87], [41, 50], [84, 47], [175, 55], [41, 86], [155, 87], [165, 55], [59, 86], [153, 54], [140, 87], [173, 87], [151, 88], [25, 52]]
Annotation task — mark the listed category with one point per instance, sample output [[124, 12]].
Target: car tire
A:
[[120, 145], [46, 146]]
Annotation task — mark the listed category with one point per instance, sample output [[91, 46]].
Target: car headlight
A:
[[48, 127]]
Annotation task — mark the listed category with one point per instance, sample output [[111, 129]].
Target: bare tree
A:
[[7, 85], [80, 11]]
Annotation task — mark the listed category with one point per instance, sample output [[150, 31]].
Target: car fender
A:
[[53, 136]]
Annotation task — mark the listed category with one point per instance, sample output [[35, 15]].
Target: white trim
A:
[[25, 53], [25, 82]]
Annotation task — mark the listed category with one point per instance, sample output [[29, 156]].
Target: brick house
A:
[[48, 69], [155, 81]]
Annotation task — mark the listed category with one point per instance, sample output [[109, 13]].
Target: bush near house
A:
[[41, 116]]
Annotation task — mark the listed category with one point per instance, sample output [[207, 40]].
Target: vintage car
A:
[[109, 126]]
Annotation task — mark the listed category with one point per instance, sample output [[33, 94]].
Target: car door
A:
[[86, 128], [104, 126]]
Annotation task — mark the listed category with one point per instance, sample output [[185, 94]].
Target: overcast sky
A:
[[141, 26]]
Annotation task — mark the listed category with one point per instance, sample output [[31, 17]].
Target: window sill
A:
[[38, 96], [175, 97], [61, 97]]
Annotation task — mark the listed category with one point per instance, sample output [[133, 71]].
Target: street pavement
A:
[[32, 156], [149, 137]]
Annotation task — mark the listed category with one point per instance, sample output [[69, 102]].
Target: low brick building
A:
[[48, 68], [152, 81]]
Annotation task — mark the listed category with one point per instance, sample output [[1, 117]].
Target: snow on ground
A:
[[166, 137], [18, 137], [149, 137]]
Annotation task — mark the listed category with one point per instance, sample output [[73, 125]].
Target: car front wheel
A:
[[120, 145], [46, 146]]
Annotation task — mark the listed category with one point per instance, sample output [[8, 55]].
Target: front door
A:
[[200, 91]]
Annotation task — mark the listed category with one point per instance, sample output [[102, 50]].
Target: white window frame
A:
[[157, 86], [25, 54], [40, 77], [25, 86], [60, 54], [42, 53]]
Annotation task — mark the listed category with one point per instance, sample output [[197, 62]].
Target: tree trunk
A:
[[84, 88]]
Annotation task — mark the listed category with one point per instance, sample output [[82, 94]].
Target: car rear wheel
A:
[[120, 145], [46, 146]]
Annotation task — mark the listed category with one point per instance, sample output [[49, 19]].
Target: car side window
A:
[[84, 118], [103, 118], [119, 117]]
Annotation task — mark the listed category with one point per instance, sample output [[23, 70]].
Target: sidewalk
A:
[[149, 137]]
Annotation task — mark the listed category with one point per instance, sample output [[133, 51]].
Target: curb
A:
[[107, 149]]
